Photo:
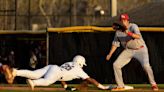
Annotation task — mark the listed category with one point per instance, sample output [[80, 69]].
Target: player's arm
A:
[[97, 84], [134, 35], [65, 86], [113, 49], [115, 44], [136, 32]]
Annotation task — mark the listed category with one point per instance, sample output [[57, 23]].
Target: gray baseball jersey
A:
[[121, 38]]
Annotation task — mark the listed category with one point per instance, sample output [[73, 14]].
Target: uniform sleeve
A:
[[82, 74], [135, 29], [116, 41]]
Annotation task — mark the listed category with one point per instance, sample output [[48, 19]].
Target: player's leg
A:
[[143, 57], [52, 75], [32, 74], [123, 59]]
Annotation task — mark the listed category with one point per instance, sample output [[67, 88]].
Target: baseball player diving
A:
[[128, 35], [52, 73]]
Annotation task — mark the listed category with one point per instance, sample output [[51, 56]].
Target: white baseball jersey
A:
[[71, 71], [52, 73]]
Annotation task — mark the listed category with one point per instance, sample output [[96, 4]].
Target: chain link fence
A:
[[40, 14]]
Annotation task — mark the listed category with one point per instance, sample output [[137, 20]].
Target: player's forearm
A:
[[97, 84], [136, 36], [111, 52], [113, 49], [93, 81], [64, 84]]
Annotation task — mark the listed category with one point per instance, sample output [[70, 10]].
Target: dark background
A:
[[95, 46]]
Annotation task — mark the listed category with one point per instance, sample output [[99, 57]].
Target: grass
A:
[[91, 88]]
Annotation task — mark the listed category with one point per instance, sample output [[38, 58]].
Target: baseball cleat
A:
[[30, 83], [155, 87], [123, 88], [8, 74], [13, 73]]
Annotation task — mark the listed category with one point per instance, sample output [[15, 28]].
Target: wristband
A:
[[129, 33], [71, 89], [65, 86]]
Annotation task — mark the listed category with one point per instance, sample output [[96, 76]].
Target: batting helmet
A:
[[79, 60]]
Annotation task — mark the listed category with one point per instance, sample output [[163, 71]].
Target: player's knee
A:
[[47, 82], [147, 67], [116, 66]]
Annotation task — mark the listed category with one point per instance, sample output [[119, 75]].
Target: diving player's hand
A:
[[71, 88]]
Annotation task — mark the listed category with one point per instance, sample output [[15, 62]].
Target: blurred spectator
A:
[[33, 60], [11, 59]]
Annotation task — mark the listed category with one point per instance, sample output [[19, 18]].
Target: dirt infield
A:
[[27, 88], [58, 89]]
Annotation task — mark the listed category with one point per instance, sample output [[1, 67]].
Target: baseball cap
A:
[[124, 17]]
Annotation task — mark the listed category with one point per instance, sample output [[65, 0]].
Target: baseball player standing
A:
[[127, 39], [52, 73]]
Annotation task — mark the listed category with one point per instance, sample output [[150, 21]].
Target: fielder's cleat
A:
[[154, 88], [30, 83], [123, 88]]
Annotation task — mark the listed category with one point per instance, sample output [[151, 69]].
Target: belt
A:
[[138, 48]]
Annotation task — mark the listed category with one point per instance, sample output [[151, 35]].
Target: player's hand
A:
[[108, 57], [71, 88]]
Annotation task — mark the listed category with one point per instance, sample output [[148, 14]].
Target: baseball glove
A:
[[117, 26], [134, 44]]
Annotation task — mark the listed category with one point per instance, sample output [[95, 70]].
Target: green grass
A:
[[91, 88]]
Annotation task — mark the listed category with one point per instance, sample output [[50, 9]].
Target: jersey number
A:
[[67, 66]]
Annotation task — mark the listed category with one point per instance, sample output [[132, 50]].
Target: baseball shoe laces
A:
[[30, 83]]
